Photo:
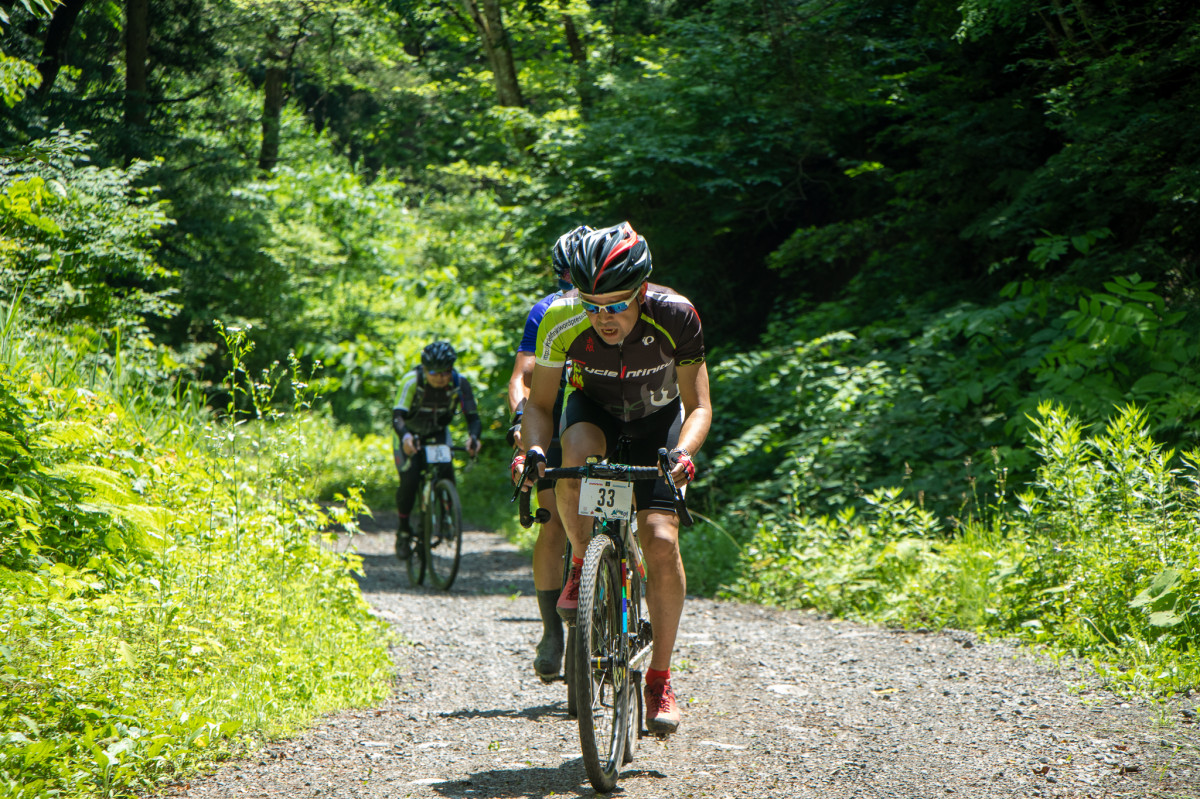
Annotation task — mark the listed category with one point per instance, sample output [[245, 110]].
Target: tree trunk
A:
[[57, 35], [574, 43], [272, 110], [498, 49], [583, 81], [137, 36]]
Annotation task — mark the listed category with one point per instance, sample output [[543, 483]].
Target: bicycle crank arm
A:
[[639, 658]]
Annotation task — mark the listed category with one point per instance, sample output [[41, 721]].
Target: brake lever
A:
[[664, 465], [520, 489]]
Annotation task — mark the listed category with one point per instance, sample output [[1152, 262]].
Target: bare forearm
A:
[[536, 426], [517, 391], [519, 382], [695, 430], [697, 410]]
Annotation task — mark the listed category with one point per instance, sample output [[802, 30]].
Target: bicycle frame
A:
[[614, 642]]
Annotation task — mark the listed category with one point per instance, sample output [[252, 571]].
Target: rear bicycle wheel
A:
[[602, 685], [443, 541]]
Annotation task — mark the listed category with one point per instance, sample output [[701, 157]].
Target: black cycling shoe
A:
[[403, 545], [548, 662]]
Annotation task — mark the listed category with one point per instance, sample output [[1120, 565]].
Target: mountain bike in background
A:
[[438, 516], [612, 630]]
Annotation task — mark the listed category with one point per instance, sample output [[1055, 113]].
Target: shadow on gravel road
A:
[[384, 574], [527, 783], [483, 569], [557, 710], [535, 782]]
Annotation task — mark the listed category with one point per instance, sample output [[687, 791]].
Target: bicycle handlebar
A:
[[453, 447], [600, 471]]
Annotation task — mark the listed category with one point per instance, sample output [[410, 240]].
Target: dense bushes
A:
[[1099, 556], [167, 582]]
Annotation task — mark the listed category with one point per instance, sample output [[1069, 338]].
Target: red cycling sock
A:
[[654, 676], [576, 561]]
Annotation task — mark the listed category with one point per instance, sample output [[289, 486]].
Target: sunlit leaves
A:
[[39, 7], [1098, 558], [164, 592], [86, 239], [16, 76]]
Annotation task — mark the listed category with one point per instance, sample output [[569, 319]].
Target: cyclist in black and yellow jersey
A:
[[636, 355]]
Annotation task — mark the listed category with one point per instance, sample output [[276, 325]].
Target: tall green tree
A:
[[489, 22]]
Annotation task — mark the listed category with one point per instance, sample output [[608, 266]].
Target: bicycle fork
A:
[[637, 642]]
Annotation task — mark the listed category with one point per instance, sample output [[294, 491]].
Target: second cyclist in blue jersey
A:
[[636, 359], [548, 549]]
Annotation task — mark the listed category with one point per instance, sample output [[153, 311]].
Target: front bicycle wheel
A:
[[416, 557], [443, 544], [601, 685]]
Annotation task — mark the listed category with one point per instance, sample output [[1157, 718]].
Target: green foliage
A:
[[168, 590], [63, 500], [907, 227], [1098, 556], [16, 76], [79, 241], [808, 426], [1115, 525]]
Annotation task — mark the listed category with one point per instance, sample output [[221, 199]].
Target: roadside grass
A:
[[168, 593], [1098, 558]]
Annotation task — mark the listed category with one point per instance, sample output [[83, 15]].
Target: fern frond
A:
[[70, 434], [105, 485]]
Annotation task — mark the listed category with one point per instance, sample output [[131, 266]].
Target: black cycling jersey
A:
[[425, 410], [637, 377]]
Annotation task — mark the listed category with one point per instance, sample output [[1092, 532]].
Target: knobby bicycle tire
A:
[[601, 675], [569, 672], [443, 538], [416, 551]]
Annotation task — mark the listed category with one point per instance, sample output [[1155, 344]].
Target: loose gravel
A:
[[776, 704]]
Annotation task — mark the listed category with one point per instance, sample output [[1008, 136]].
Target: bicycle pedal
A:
[[658, 735]]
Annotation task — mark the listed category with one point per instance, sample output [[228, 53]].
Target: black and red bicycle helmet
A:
[[609, 260]]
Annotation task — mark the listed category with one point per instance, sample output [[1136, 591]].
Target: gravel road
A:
[[776, 704]]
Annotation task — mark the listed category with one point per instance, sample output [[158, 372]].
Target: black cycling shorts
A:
[[647, 435]]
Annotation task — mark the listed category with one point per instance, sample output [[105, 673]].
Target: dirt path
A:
[[776, 704]]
